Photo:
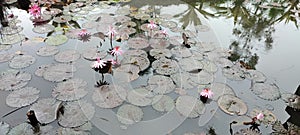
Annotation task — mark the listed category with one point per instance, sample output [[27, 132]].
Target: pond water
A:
[[245, 52]]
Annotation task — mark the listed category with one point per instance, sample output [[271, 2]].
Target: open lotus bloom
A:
[[116, 51], [35, 10], [151, 25], [111, 31], [207, 93], [260, 116], [99, 63], [82, 32]]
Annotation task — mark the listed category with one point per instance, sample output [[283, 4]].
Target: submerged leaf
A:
[[129, 114]]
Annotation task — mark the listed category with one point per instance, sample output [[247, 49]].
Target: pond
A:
[[139, 67]]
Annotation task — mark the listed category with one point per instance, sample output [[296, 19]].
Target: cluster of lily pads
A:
[[173, 60]]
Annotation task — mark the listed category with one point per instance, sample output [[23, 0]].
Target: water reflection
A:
[[253, 23]]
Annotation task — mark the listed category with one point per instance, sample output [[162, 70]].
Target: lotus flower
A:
[[260, 116], [207, 93], [82, 32], [164, 32], [35, 10], [116, 51], [99, 63], [151, 25], [111, 31]]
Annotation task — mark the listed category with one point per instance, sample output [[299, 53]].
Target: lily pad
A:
[[52, 11], [109, 96], [202, 28], [189, 106], [140, 53], [26, 129], [90, 24], [142, 62], [209, 66], [46, 110], [4, 47], [163, 103], [70, 90], [183, 80], [205, 46], [11, 39], [21, 61], [67, 56], [137, 43], [92, 54], [160, 53], [181, 52], [247, 131], [59, 72], [11, 30], [159, 43], [41, 69], [234, 73], [140, 97], [76, 114], [165, 66], [43, 29], [190, 64], [70, 131], [22, 97], [160, 84], [129, 114], [62, 19], [219, 89], [73, 33], [266, 91], [256, 76], [47, 50], [56, 39], [201, 77], [126, 73], [14, 80], [169, 24], [231, 105], [291, 100], [4, 128], [6, 57]]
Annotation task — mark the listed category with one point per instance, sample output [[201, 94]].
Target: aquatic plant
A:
[[35, 10]]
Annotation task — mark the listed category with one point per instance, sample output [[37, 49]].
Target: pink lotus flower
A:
[[207, 93], [35, 10], [151, 25], [99, 63], [164, 32], [116, 51], [82, 32], [114, 62], [260, 116], [111, 31]]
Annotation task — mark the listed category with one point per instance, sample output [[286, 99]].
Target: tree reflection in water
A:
[[253, 22]]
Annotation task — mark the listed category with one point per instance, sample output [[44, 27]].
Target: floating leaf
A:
[[59, 72], [140, 97], [70, 131], [76, 114], [266, 91], [4, 47], [189, 106], [21, 61], [209, 66], [22, 97], [169, 24], [129, 114], [89, 25], [165, 66], [11, 30], [26, 129], [70, 90], [181, 52], [14, 80], [46, 110], [126, 73], [140, 53], [6, 57], [183, 80], [234, 73], [11, 39], [62, 19], [109, 96], [231, 105], [142, 62], [56, 39], [163, 103], [248, 131], [47, 50], [67, 56], [190, 64], [159, 43], [160, 53], [205, 46], [43, 29], [160, 84], [137, 43], [92, 54], [256, 76]]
